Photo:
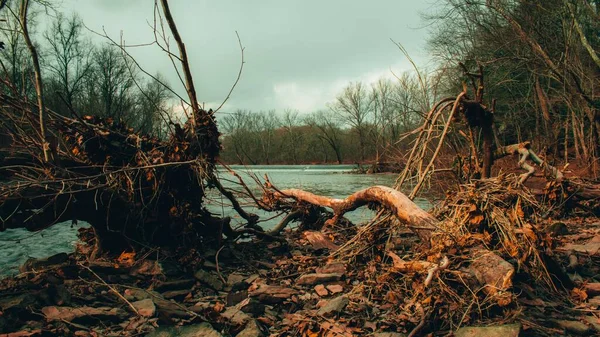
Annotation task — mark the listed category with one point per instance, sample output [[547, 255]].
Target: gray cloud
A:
[[298, 53]]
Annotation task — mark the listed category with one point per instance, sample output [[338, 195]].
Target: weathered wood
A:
[[418, 220]]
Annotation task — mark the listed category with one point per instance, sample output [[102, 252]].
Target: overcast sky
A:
[[299, 53]]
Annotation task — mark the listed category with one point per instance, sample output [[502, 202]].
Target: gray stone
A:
[[575, 327], [145, 308], [507, 330], [195, 330], [235, 316], [209, 279], [234, 278], [251, 330], [334, 306]]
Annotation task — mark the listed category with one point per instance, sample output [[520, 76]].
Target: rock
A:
[[507, 330], [145, 308], [595, 322], [335, 288], [195, 330], [136, 294], [252, 306], [388, 334], [575, 327], [234, 278], [235, 316], [235, 297], [176, 294], [69, 314], [557, 229], [209, 279], [175, 285], [40, 264], [334, 306], [311, 279], [319, 241], [332, 268], [321, 291], [252, 329], [272, 294], [146, 268], [167, 310]]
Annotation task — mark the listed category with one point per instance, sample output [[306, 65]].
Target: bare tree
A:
[[39, 88], [328, 131], [69, 55], [354, 107], [291, 122]]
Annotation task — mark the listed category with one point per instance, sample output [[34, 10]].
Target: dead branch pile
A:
[[133, 189], [476, 265]]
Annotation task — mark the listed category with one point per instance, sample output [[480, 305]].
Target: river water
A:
[[17, 245]]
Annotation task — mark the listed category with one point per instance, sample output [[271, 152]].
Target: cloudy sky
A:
[[299, 53]]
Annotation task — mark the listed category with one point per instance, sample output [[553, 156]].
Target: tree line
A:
[[79, 76], [364, 123], [541, 64]]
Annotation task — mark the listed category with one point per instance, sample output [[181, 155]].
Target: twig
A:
[[111, 288]]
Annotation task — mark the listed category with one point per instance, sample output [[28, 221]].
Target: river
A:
[[17, 245]]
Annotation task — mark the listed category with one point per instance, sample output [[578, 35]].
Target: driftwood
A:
[[493, 272], [421, 222]]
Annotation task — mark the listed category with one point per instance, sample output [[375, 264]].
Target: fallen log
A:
[[493, 272], [418, 220]]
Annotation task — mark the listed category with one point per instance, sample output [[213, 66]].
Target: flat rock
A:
[[507, 330], [234, 278], [312, 279], [176, 294], [332, 268], [209, 279], [575, 327], [175, 285], [335, 288], [321, 291], [334, 306], [146, 268], [195, 330], [136, 294], [251, 305], [235, 316], [319, 241], [69, 314], [251, 330], [272, 294], [145, 308]]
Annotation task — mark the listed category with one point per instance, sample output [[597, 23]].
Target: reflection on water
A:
[[331, 180]]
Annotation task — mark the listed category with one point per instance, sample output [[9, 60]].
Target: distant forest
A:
[[540, 60], [541, 66]]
